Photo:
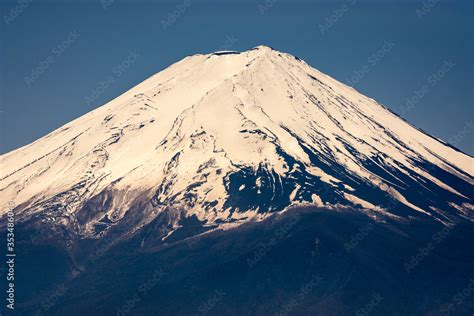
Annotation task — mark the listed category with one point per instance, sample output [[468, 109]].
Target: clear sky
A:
[[61, 59]]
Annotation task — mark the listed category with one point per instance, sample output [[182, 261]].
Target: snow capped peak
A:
[[263, 48], [228, 137]]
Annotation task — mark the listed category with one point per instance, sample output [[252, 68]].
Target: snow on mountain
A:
[[229, 137]]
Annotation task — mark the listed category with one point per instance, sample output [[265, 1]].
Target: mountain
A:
[[210, 151]]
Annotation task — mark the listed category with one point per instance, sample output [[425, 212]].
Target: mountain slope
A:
[[301, 262], [229, 137], [240, 183]]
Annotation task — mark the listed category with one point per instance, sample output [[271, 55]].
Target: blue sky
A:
[[61, 59]]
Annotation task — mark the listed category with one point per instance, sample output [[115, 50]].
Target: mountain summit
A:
[[224, 138], [239, 184]]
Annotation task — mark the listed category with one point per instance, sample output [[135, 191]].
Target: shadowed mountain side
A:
[[305, 262]]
